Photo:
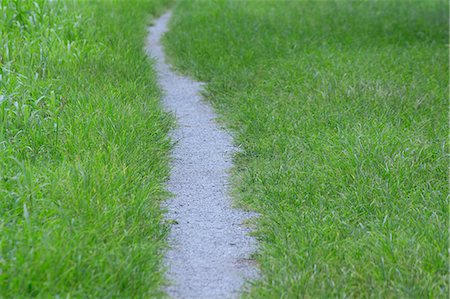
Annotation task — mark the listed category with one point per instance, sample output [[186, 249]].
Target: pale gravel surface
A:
[[210, 247]]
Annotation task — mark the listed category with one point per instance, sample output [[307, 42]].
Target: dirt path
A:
[[209, 245]]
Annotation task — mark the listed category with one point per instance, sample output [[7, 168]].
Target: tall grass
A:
[[340, 108], [83, 151]]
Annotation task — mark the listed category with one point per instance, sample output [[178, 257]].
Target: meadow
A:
[[340, 110], [83, 151]]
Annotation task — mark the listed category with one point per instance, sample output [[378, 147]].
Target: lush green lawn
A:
[[83, 151], [340, 108]]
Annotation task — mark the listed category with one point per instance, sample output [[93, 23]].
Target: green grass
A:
[[340, 108], [83, 151]]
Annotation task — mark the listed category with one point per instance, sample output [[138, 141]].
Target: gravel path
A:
[[210, 248]]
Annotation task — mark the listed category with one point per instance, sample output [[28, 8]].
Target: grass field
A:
[[340, 108], [83, 151]]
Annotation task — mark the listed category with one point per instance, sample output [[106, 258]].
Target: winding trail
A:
[[210, 247]]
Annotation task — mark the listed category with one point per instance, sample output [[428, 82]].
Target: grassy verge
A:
[[340, 108], [83, 151]]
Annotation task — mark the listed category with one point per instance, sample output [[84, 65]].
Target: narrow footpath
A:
[[210, 246]]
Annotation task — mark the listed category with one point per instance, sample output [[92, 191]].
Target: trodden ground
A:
[[210, 246]]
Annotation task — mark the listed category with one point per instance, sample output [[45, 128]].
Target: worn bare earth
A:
[[210, 247]]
